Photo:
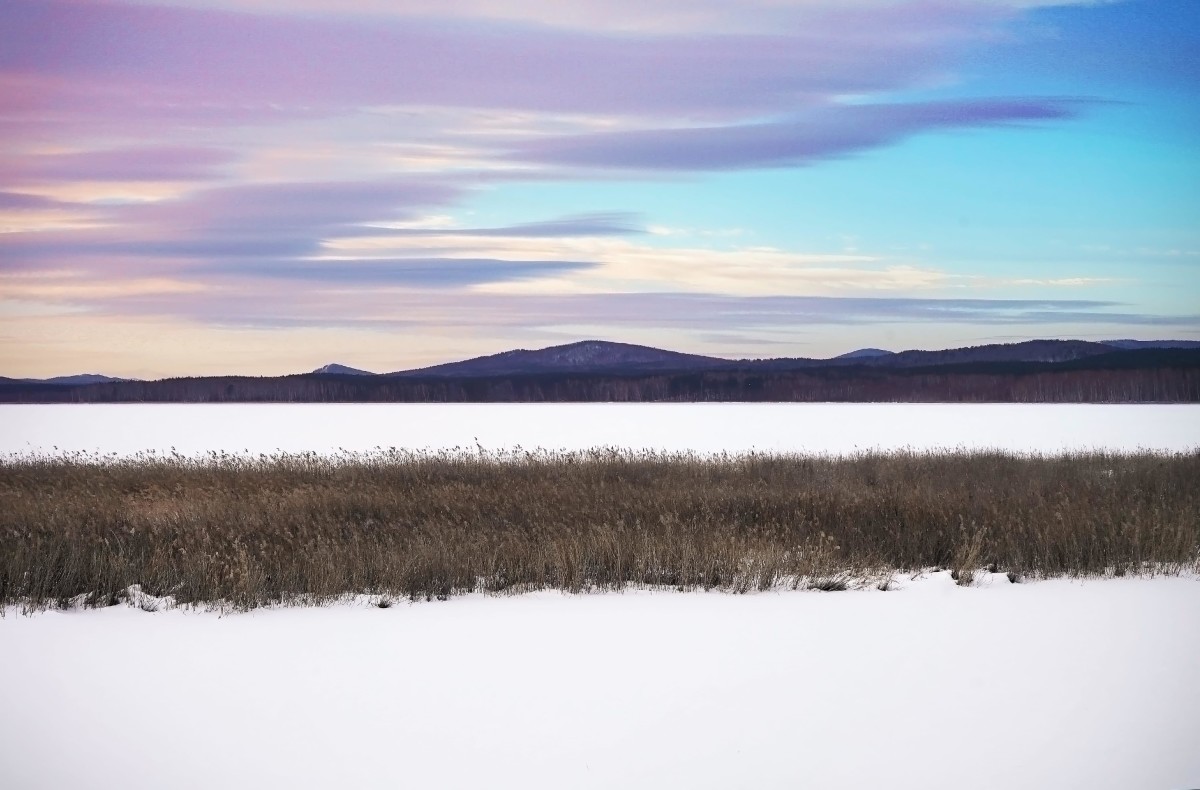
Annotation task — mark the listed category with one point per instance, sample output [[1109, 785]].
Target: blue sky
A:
[[263, 187]]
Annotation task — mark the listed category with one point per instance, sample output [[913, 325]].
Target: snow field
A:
[[1051, 684], [835, 428]]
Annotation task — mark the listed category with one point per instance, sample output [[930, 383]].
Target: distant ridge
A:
[[586, 356], [988, 374], [601, 356], [865, 353], [1026, 351], [334, 369], [1065, 371], [77, 380], [1132, 344]]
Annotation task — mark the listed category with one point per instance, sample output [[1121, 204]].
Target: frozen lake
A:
[[709, 427]]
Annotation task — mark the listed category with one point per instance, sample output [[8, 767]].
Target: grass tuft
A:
[[251, 531]]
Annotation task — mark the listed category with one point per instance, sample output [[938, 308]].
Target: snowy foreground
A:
[[834, 428], [1052, 684]]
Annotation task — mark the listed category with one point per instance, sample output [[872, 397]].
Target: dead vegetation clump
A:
[[249, 531]]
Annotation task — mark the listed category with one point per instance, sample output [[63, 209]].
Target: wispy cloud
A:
[[302, 306], [20, 201], [245, 220], [632, 17], [223, 60], [828, 132], [409, 272], [141, 163], [615, 223]]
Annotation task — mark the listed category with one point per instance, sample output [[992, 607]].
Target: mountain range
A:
[[598, 356], [70, 381], [605, 357]]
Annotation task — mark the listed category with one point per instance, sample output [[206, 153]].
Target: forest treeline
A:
[[1170, 377]]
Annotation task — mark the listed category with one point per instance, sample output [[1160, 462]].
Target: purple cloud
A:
[[149, 163], [295, 303], [272, 221], [310, 209], [277, 225], [140, 60], [18, 201], [836, 130], [616, 223], [408, 272], [226, 236]]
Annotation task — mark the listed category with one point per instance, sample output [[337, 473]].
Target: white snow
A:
[[816, 428], [1045, 685], [1052, 684]]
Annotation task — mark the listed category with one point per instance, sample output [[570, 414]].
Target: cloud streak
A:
[[632, 17], [141, 163], [278, 223], [291, 232], [302, 306], [150, 59], [832, 131], [409, 272], [614, 223]]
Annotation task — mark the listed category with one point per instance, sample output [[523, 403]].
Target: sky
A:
[[266, 186]]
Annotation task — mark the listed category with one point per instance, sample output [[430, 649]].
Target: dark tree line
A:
[[1015, 383]]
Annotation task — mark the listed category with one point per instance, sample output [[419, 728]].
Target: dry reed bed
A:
[[248, 531]]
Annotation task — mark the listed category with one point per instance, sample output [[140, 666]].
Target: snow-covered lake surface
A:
[[814, 428], [1046, 685]]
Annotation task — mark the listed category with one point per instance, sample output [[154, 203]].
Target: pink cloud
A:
[[144, 58], [274, 221], [111, 73], [295, 303], [148, 163]]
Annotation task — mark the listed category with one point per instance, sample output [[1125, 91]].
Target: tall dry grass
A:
[[247, 531]]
